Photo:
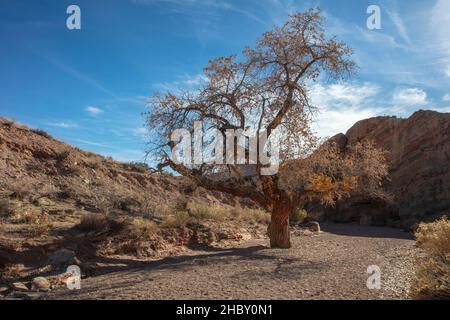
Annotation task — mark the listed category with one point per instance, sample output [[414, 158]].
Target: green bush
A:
[[298, 216]]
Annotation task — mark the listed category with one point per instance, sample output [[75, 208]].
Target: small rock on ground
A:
[[19, 286], [40, 284]]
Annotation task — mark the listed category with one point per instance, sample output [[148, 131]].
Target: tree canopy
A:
[[265, 91]]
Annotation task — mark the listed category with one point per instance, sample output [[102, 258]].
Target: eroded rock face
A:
[[419, 158]]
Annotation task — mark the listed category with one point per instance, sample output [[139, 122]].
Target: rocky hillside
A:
[[56, 199], [419, 180], [34, 166]]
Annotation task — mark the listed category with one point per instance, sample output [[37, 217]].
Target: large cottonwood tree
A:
[[266, 89]]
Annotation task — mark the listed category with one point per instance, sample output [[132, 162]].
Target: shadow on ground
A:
[[354, 230]]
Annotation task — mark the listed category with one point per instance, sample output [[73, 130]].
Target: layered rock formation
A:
[[419, 180]]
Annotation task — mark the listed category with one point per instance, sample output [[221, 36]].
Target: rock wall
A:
[[419, 157]]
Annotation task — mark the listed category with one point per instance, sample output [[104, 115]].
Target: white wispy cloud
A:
[[447, 71], [446, 97], [141, 131], [64, 67], [183, 82], [341, 105], [65, 125], [117, 152], [93, 111], [93, 143], [189, 5], [409, 97], [399, 25], [343, 94], [379, 38], [439, 26]]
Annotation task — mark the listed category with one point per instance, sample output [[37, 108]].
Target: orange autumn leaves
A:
[[331, 189]]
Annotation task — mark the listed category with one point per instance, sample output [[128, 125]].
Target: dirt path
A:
[[331, 265]]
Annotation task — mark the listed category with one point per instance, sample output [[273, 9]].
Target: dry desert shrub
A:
[[93, 164], [200, 211], [62, 155], [433, 266], [39, 229], [8, 122], [178, 220], [253, 215], [93, 222], [42, 133], [140, 227], [21, 189], [150, 207], [37, 222], [6, 207], [2, 229], [11, 271], [102, 200], [203, 211], [29, 216], [140, 167]]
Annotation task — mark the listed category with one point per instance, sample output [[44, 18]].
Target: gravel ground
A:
[[329, 265]]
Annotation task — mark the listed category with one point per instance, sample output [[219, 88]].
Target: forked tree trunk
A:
[[278, 230]]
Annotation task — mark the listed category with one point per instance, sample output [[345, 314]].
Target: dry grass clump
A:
[[200, 211], [102, 201], [6, 207], [39, 229], [62, 155], [150, 207], [2, 229], [41, 133], [29, 216], [433, 267], [93, 164], [140, 227], [178, 220], [93, 222], [140, 167], [203, 211], [37, 223], [8, 122], [11, 271], [131, 227], [251, 215], [20, 190]]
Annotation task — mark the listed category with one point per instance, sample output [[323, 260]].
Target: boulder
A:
[[19, 286], [40, 284], [3, 289], [312, 226]]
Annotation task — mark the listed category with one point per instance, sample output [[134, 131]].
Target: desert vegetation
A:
[[266, 89], [57, 197], [433, 264], [60, 205]]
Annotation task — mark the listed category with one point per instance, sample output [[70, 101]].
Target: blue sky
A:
[[87, 87]]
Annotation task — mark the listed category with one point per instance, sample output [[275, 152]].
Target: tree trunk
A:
[[278, 230]]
